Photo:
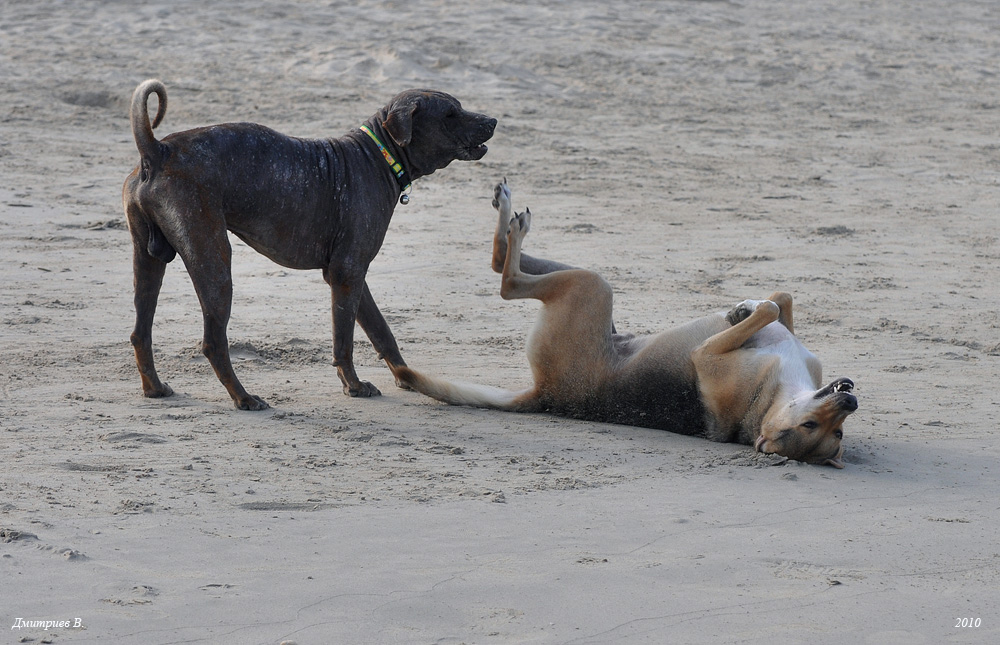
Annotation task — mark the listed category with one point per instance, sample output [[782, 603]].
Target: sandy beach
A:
[[695, 153]]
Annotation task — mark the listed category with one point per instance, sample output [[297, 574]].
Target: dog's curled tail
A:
[[142, 129], [470, 394]]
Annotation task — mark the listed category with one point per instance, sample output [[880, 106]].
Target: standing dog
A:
[[306, 204], [741, 376]]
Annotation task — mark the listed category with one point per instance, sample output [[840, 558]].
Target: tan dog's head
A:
[[809, 428]]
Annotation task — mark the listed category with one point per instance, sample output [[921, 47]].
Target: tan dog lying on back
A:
[[741, 376]]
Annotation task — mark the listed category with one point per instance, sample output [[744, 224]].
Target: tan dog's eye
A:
[[838, 433], [810, 425]]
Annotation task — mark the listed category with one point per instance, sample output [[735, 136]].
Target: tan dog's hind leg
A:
[[516, 284], [527, 263], [570, 349], [501, 202]]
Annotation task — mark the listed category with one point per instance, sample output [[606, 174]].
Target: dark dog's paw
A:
[[252, 403], [157, 392], [364, 390]]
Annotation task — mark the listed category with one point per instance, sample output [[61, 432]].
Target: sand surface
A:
[[695, 153]]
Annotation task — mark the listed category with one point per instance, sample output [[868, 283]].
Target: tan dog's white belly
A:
[[799, 366]]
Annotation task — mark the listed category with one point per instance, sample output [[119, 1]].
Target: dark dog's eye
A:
[[839, 434], [810, 425]]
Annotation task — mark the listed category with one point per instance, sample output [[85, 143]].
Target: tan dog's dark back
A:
[[306, 204], [741, 376]]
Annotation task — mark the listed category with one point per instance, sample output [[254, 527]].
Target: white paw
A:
[[742, 311]]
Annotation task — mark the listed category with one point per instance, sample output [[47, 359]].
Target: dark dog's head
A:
[[810, 428], [431, 129]]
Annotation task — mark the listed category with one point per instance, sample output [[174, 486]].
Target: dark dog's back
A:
[[258, 172]]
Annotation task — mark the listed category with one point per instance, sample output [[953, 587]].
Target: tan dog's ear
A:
[[399, 123]]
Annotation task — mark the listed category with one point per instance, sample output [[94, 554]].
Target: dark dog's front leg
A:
[[346, 302], [374, 325]]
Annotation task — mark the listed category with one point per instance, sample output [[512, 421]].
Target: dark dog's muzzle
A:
[[477, 147]]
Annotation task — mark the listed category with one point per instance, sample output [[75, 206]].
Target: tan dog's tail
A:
[[142, 129], [470, 394]]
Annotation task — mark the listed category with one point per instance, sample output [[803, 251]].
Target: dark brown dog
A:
[[742, 376], [306, 204]]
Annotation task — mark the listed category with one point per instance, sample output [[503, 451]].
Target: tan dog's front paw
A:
[[742, 311]]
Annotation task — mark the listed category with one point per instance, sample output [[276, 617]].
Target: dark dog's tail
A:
[[470, 394], [142, 129], [151, 153]]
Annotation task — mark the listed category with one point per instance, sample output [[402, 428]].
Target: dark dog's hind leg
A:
[[148, 277], [208, 257]]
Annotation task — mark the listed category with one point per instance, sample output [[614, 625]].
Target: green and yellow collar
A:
[[402, 177]]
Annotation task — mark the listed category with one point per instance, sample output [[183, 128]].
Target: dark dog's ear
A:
[[399, 123]]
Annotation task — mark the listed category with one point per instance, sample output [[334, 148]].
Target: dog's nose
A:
[[848, 402]]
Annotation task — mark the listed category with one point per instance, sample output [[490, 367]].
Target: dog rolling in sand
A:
[[740, 376]]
